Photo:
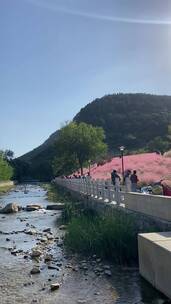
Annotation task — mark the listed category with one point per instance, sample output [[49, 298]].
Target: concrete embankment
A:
[[155, 260]]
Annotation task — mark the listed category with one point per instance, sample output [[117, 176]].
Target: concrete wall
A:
[[6, 183], [153, 205], [155, 260]]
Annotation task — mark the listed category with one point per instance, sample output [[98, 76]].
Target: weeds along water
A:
[[112, 235]]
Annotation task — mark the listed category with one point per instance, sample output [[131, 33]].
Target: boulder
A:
[[33, 207], [58, 206], [10, 208]]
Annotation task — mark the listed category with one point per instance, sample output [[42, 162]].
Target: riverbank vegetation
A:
[[77, 146], [6, 170], [5, 189], [56, 194], [111, 236]]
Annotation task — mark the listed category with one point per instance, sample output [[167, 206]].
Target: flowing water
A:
[[17, 285]]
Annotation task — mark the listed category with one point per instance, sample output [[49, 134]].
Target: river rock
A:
[[33, 207], [10, 208], [57, 206], [54, 286], [63, 227], [52, 267], [47, 230], [36, 253], [48, 257], [35, 270], [30, 231], [106, 267], [43, 239], [108, 273], [50, 237]]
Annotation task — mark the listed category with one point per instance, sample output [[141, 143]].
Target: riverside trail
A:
[[81, 281]]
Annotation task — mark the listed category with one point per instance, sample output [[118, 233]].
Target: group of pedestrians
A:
[[130, 180]]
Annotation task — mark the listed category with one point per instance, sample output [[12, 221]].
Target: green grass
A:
[[113, 236], [5, 189], [56, 193]]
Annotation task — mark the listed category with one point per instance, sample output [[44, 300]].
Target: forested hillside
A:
[[137, 121], [132, 120]]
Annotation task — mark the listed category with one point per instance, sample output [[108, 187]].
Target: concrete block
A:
[[153, 205], [155, 260]]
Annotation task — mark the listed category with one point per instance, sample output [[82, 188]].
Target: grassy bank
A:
[[5, 189], [112, 236], [56, 194]]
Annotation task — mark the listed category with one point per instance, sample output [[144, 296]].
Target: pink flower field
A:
[[150, 167]]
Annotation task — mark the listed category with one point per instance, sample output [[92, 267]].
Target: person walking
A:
[[134, 181], [117, 187], [115, 179], [127, 181]]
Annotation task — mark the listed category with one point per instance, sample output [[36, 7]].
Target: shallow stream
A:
[[77, 285]]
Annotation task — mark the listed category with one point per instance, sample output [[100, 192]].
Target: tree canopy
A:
[[78, 144], [6, 170]]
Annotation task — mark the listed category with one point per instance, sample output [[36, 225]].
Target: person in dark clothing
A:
[[115, 177], [134, 181], [113, 173]]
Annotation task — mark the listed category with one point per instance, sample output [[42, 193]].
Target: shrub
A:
[[113, 236]]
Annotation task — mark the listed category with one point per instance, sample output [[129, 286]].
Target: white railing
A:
[[103, 192], [97, 189]]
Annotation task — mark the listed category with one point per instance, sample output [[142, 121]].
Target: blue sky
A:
[[58, 55]]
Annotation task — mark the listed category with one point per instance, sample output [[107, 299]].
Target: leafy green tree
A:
[[6, 171], [160, 144], [77, 144], [9, 155]]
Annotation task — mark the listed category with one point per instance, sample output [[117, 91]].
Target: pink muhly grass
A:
[[150, 167]]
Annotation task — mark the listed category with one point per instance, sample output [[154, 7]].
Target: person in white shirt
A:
[[127, 181]]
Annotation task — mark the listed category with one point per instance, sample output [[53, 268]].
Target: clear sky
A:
[[58, 55]]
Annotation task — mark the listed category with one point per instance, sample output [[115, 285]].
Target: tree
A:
[[6, 171], [77, 144], [159, 144], [9, 155]]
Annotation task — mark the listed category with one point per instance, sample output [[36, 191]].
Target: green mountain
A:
[[137, 121]]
